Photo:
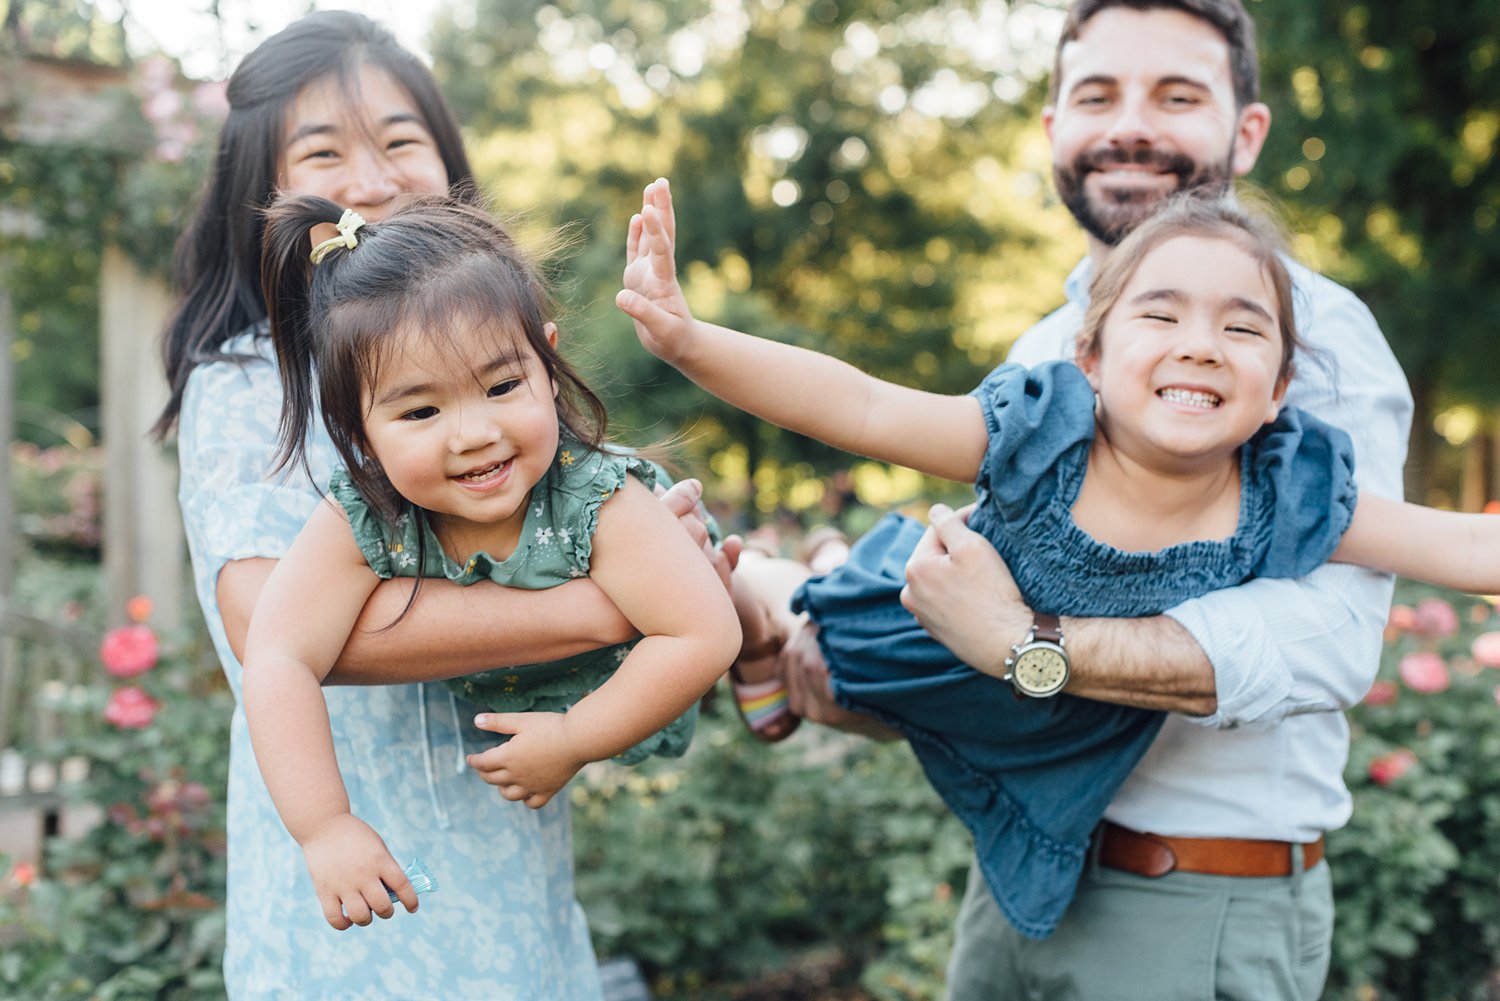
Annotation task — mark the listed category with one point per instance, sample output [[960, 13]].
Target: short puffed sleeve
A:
[[1303, 470], [1040, 422], [371, 532]]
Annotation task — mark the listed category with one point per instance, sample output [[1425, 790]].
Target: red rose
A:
[[129, 650], [1389, 767], [130, 708], [1436, 619], [1424, 671]]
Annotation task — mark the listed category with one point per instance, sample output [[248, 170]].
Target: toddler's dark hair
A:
[[433, 267]]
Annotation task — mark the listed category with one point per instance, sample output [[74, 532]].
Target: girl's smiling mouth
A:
[[1200, 398], [485, 476]]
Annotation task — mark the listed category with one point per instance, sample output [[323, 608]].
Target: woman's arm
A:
[[450, 631], [1461, 551], [306, 609], [457, 630], [652, 571], [797, 389]]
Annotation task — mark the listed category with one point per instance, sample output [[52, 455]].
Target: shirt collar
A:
[[1076, 288]]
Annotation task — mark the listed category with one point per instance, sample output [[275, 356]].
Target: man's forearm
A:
[[1151, 663]]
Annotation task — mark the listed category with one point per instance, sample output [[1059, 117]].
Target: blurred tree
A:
[[1384, 147], [93, 148], [845, 170]]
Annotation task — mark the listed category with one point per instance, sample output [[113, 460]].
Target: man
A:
[[1207, 879]]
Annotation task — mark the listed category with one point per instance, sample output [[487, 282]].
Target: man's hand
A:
[[805, 674], [682, 501], [962, 593]]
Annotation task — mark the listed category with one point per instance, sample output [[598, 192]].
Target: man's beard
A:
[[1111, 216]]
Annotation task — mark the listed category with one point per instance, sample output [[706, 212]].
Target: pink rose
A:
[[1389, 767], [1382, 693], [1424, 671], [22, 874], [1486, 649], [129, 650], [1436, 619], [130, 708]]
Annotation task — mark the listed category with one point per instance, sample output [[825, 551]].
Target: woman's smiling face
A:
[[360, 145]]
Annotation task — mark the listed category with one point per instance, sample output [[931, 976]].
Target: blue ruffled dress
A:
[[557, 540], [1031, 778]]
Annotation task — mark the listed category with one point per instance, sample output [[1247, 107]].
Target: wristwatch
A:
[[1038, 665]]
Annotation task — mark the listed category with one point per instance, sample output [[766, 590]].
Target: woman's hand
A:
[[352, 872], [652, 297]]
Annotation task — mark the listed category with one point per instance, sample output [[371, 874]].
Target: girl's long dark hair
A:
[[434, 267], [217, 262]]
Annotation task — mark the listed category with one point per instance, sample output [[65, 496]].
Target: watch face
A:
[[1040, 670]]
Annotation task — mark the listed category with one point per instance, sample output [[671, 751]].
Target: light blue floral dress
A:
[[504, 923]]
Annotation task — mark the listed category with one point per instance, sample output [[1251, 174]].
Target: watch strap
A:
[[1048, 627]]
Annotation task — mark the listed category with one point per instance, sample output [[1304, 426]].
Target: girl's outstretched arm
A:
[[304, 615], [1461, 551], [690, 634], [797, 389]]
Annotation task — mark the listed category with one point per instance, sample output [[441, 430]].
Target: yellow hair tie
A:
[[347, 226]]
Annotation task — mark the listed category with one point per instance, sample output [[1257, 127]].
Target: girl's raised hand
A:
[[535, 763], [652, 297], [351, 869]]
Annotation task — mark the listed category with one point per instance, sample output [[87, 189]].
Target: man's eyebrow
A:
[[328, 128], [1178, 80], [1093, 80]]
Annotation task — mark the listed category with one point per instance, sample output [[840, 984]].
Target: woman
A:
[[332, 106]]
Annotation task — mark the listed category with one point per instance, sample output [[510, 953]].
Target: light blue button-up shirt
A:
[[1288, 655]]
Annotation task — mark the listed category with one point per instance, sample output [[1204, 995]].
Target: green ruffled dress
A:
[[557, 538]]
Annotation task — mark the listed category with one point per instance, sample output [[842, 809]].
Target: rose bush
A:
[[1415, 869], [133, 909]]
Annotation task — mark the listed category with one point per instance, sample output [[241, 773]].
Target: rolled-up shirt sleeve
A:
[[1284, 647]]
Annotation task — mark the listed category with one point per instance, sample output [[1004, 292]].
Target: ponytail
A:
[[287, 275]]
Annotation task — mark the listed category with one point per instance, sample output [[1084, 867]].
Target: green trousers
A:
[[1179, 937]]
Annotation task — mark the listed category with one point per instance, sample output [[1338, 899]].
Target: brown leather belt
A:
[[1157, 855]]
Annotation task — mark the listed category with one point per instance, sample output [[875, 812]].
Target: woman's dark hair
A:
[[433, 267], [1189, 214], [217, 263]]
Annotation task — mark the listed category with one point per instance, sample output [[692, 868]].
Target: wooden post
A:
[[143, 543], [7, 433]]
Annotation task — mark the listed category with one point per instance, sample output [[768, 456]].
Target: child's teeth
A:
[[1190, 397]]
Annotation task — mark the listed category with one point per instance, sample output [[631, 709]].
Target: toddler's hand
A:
[[352, 870], [652, 297], [535, 763]]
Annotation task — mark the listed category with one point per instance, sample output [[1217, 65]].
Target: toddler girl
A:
[[472, 450]]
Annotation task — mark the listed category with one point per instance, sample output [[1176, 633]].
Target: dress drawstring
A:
[[438, 809], [459, 764]]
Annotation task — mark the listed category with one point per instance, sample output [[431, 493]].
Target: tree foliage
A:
[[1387, 118], [846, 174]]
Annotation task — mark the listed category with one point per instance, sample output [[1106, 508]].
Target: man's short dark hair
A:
[[1229, 17]]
